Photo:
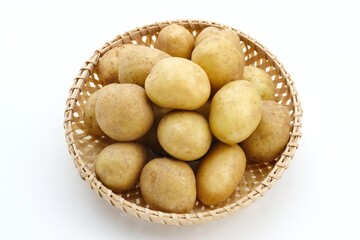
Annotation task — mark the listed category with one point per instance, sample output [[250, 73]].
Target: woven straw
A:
[[258, 178]]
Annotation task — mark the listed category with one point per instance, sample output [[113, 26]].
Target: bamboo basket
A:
[[258, 178]]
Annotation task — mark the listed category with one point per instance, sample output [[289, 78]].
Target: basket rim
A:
[[159, 216]]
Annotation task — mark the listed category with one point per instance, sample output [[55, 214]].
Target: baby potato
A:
[[224, 32], [221, 61], [136, 61], [168, 185], [233, 37], [219, 173], [261, 80], [235, 111], [118, 166], [271, 136], [184, 135], [177, 83], [89, 115], [124, 112], [206, 33], [107, 67], [176, 41]]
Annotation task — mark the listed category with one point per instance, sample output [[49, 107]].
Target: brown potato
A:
[[271, 136], [221, 61], [124, 112], [235, 111], [119, 165], [176, 41], [136, 61], [89, 115], [177, 83], [107, 67], [168, 185], [261, 80], [219, 173], [184, 135]]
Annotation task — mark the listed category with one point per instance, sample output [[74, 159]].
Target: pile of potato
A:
[[187, 116]]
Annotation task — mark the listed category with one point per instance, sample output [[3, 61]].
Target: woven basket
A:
[[257, 179]]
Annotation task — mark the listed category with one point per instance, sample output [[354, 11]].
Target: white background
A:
[[42, 47]]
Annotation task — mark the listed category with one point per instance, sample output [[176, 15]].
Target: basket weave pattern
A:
[[257, 179]]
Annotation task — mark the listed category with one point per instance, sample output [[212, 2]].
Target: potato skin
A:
[[118, 166], [168, 185], [185, 135], [124, 112], [234, 38], [177, 83], [224, 32], [206, 33], [136, 62], [261, 80], [219, 173], [107, 67], [176, 41], [271, 136], [89, 115], [235, 111], [221, 61]]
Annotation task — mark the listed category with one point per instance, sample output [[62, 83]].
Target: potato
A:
[[136, 62], [271, 136], [176, 41], [177, 83], [184, 135], [221, 61], [233, 37], [235, 111], [220, 173], [118, 166], [150, 139], [261, 80], [168, 185], [206, 33], [89, 115], [107, 67], [124, 112], [225, 32]]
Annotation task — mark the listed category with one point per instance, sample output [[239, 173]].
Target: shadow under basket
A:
[[258, 178]]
